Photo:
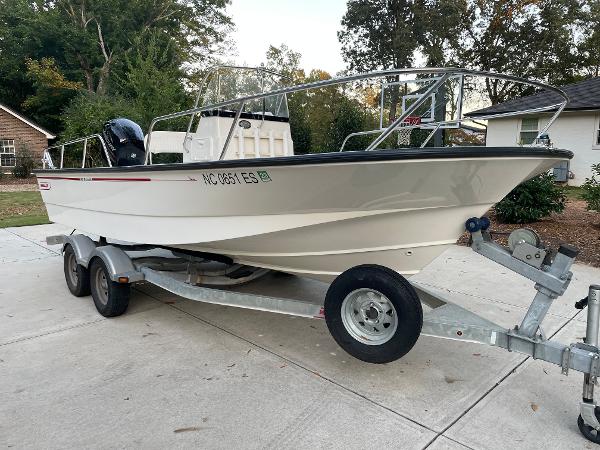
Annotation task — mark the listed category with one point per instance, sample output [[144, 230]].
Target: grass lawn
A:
[[21, 208], [573, 192]]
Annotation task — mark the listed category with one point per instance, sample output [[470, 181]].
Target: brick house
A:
[[17, 131]]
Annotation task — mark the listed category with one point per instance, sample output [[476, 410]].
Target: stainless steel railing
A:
[[47, 161], [443, 75]]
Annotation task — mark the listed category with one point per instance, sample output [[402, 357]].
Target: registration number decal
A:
[[231, 178]]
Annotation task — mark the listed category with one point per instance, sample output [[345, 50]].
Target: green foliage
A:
[[532, 200], [557, 40], [149, 81], [383, 34], [88, 112], [94, 43], [52, 91], [25, 162], [591, 189], [545, 31], [587, 49]]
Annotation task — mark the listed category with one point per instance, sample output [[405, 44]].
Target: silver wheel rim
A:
[[101, 283], [369, 316], [72, 269]]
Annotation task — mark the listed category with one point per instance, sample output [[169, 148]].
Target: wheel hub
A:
[[101, 286], [372, 312], [369, 316], [72, 268]]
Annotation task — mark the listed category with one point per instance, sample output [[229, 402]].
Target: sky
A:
[[306, 26]]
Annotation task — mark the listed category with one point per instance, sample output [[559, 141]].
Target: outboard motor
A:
[[125, 142]]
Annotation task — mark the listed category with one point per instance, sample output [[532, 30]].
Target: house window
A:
[[529, 131], [7, 152], [598, 133]]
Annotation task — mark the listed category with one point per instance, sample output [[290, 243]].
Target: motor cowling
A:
[[125, 142]]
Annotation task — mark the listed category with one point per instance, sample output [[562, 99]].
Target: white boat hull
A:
[[315, 220]]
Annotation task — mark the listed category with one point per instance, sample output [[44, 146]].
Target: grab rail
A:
[[47, 158], [444, 72], [434, 126]]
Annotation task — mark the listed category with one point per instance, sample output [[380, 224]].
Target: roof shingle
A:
[[583, 95]]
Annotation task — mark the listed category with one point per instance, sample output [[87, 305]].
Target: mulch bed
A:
[[576, 226], [10, 180], [8, 183]]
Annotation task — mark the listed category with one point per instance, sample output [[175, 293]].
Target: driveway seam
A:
[[491, 389], [296, 364], [32, 241], [48, 333], [487, 299]]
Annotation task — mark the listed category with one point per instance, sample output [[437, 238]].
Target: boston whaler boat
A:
[[241, 203], [241, 192]]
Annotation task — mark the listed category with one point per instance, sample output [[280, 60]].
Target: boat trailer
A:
[[107, 270]]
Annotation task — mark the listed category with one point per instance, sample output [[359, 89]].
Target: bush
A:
[[24, 164], [591, 189], [531, 200]]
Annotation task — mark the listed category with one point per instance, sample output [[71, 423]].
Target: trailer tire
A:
[[111, 298], [76, 276], [373, 313], [588, 432]]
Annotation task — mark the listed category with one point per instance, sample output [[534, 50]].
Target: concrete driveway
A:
[[176, 373]]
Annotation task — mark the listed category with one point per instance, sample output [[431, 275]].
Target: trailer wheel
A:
[[111, 298], [589, 432], [76, 276], [373, 313]]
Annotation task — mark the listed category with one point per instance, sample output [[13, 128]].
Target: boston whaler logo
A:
[[264, 176]]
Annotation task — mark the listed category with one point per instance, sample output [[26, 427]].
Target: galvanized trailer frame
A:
[[182, 274]]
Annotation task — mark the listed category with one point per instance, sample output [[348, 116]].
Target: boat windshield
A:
[[232, 82]]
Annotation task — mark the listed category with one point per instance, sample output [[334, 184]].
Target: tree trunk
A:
[[87, 71]]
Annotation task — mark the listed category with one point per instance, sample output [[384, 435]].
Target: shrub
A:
[[591, 189], [531, 200], [24, 164]]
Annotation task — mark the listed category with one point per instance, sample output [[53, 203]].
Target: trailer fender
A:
[[118, 264], [82, 245]]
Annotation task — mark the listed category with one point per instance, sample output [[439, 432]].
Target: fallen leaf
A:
[[184, 430], [534, 407]]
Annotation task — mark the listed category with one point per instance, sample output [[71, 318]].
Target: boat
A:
[[240, 192], [241, 202]]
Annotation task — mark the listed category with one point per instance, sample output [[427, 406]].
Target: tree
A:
[[531, 38], [52, 91], [150, 80], [589, 55], [379, 34], [528, 38], [91, 42], [442, 26], [286, 61], [387, 34]]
